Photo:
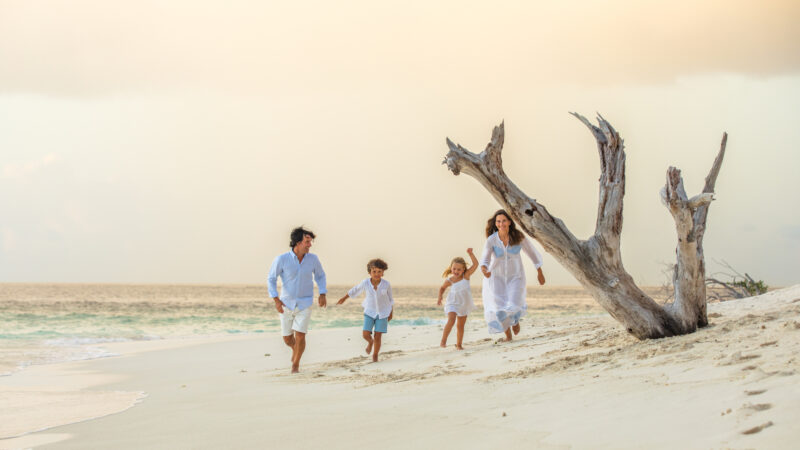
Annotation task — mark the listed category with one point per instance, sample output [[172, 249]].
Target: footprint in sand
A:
[[757, 429], [793, 324], [755, 392], [737, 358], [757, 406]]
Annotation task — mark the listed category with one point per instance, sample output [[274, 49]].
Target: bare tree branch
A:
[[596, 262]]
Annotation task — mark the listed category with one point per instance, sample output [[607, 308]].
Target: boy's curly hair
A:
[[377, 263]]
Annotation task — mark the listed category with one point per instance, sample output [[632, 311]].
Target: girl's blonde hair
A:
[[456, 260]]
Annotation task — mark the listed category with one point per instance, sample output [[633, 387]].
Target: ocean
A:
[[43, 323]]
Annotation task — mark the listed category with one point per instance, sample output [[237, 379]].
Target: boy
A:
[[378, 305]]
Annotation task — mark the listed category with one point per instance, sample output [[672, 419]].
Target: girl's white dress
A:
[[459, 299], [504, 291]]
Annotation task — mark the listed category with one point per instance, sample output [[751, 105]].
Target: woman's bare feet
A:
[[443, 344], [515, 328], [374, 358], [459, 347], [295, 367]]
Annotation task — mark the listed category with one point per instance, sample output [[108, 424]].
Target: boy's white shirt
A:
[[377, 302]]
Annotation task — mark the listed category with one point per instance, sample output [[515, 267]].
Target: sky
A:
[[180, 142]]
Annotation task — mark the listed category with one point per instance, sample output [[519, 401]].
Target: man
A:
[[296, 269]]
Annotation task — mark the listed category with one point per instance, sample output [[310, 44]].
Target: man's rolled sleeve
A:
[[272, 279], [319, 277]]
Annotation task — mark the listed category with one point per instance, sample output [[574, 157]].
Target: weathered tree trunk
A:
[[595, 262]]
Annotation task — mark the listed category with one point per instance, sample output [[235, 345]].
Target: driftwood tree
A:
[[596, 262]]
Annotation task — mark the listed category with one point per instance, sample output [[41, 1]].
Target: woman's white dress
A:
[[459, 299], [504, 291]]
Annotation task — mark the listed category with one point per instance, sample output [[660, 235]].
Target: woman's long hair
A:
[[514, 235]]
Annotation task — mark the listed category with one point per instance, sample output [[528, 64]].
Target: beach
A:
[[571, 379]]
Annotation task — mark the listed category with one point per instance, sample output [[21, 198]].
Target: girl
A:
[[459, 300]]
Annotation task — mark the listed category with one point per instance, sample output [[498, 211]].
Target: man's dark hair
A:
[[297, 236]]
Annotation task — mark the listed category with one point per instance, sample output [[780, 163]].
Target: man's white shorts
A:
[[295, 320]]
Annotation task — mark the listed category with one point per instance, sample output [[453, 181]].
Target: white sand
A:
[[578, 382]]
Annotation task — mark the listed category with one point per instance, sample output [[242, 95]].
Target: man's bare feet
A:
[[374, 358], [295, 367], [459, 347], [369, 347], [515, 328], [443, 344]]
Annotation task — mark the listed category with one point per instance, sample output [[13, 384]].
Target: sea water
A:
[[48, 323]]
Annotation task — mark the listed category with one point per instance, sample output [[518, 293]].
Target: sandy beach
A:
[[564, 382]]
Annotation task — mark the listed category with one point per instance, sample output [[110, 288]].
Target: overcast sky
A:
[[151, 141]]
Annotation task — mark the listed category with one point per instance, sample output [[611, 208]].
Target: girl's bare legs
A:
[[460, 321], [451, 320], [377, 347], [368, 337]]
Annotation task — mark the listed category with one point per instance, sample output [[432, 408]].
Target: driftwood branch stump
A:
[[595, 262]]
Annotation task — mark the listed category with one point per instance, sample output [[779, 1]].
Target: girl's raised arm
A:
[[474, 265]]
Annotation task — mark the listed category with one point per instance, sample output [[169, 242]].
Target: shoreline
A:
[[562, 381]]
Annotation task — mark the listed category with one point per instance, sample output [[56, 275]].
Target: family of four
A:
[[504, 288]]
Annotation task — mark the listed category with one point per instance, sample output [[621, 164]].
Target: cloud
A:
[[25, 169], [99, 47]]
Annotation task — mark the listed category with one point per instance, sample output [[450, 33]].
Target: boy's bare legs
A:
[[451, 319], [368, 337], [299, 348], [460, 322], [377, 347]]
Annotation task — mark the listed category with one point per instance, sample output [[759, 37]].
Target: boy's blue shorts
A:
[[380, 325]]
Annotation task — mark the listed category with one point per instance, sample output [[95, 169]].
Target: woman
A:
[[504, 283]]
